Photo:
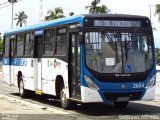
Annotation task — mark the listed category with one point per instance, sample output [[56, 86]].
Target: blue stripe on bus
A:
[[72, 19], [15, 61]]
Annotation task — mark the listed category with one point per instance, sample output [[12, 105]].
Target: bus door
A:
[[6, 60], [12, 54], [8, 55], [38, 62], [74, 66]]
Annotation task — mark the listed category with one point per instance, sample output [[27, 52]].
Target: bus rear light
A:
[[90, 83], [151, 82]]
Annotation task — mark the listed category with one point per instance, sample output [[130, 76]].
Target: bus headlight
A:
[[151, 82], [90, 83]]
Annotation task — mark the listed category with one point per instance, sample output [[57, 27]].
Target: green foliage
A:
[[1, 45], [21, 18], [54, 14], [94, 8], [71, 13], [157, 11], [158, 55]]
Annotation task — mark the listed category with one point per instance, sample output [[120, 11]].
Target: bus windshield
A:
[[118, 51]]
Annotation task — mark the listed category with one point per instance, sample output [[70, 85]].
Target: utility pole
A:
[[150, 8], [41, 11], [12, 2]]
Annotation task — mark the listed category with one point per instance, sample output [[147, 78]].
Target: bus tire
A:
[[121, 104], [22, 92], [65, 102]]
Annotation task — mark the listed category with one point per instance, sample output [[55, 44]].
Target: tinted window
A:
[[29, 42], [20, 44], [49, 42], [6, 46], [61, 42]]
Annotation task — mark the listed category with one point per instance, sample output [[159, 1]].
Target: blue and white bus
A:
[[84, 58]]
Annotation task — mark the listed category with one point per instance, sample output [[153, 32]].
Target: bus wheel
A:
[[121, 104], [22, 91], [65, 103]]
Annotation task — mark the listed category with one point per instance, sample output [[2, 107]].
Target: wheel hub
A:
[[63, 97]]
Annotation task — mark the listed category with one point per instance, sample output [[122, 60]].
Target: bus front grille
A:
[[121, 79], [114, 96]]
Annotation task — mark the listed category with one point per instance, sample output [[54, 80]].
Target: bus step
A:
[[39, 92]]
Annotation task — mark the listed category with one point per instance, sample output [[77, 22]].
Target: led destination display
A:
[[116, 23]]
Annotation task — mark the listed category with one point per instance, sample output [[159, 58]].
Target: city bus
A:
[[90, 58]]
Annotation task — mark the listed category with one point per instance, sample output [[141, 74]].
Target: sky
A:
[[32, 9]]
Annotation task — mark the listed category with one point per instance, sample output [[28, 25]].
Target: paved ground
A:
[[23, 110], [38, 108]]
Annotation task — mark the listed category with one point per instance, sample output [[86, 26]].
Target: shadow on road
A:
[[109, 109], [45, 100], [97, 109]]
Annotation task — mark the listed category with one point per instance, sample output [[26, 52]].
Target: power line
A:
[[8, 4], [3, 3], [5, 6]]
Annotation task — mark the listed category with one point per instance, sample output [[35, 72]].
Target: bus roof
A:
[[71, 19], [122, 16], [52, 23]]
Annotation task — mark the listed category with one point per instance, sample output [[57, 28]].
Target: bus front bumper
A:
[[90, 95]]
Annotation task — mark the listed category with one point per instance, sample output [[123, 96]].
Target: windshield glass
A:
[[118, 52]]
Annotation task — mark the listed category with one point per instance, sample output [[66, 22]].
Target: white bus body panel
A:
[[27, 72], [37, 74], [8, 71], [150, 93], [6, 74], [13, 82], [90, 95], [51, 68]]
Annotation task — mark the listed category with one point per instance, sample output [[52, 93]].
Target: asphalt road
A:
[[40, 108]]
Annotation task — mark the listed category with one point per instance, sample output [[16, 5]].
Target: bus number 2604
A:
[[138, 85]]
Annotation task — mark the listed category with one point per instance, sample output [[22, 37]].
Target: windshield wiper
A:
[[111, 43]]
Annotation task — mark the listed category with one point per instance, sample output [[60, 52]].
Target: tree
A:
[[94, 8], [71, 13], [157, 11], [54, 14], [104, 9], [21, 18], [1, 45], [158, 55]]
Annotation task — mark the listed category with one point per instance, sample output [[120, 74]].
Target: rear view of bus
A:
[[119, 59]]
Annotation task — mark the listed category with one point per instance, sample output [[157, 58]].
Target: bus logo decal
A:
[[50, 63], [57, 64], [123, 87], [23, 62]]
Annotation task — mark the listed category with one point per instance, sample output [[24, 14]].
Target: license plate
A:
[[121, 99]]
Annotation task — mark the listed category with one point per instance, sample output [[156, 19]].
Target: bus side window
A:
[[61, 42], [6, 46], [49, 42], [29, 42], [20, 44]]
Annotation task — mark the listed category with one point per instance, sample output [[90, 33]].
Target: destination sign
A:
[[116, 23], [38, 32], [62, 30]]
